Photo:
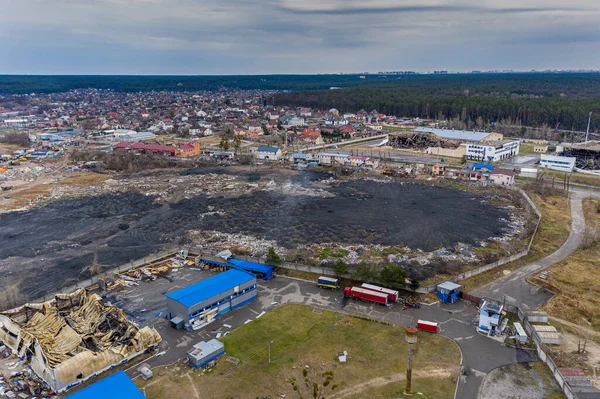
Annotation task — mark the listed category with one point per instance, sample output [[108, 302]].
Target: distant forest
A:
[[562, 100], [528, 99]]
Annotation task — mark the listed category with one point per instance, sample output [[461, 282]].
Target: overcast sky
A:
[[295, 36]]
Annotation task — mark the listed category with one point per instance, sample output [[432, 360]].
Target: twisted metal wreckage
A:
[[73, 337]]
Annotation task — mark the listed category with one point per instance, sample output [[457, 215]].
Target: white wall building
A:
[[502, 177], [492, 151], [332, 158], [295, 121], [565, 164], [268, 153]]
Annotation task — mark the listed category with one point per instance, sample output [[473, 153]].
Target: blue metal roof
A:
[[264, 148], [483, 165], [116, 386], [210, 287], [253, 267]]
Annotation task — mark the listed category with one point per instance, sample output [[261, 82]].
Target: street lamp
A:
[[411, 337]]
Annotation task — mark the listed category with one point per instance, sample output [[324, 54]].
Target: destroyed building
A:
[[73, 337]]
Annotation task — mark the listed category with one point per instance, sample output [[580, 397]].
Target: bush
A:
[[392, 276], [273, 257], [340, 267]]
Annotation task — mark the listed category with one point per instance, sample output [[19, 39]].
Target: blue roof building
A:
[[115, 386], [448, 292], [202, 302], [263, 271], [268, 153], [264, 148], [478, 166]]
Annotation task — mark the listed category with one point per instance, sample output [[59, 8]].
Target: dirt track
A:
[[52, 246]]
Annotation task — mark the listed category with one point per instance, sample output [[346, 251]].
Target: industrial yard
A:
[[210, 244], [308, 339], [129, 217]]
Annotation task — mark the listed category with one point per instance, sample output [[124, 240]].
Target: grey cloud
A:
[[289, 36], [424, 9]]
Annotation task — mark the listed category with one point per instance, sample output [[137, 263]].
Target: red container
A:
[[392, 294], [429, 326], [366, 295]]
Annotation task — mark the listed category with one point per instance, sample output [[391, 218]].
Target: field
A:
[[576, 280], [307, 339], [41, 188], [128, 217], [552, 233]]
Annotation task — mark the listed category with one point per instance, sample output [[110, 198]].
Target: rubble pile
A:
[[27, 173], [73, 336], [214, 241], [24, 384], [152, 271], [290, 188]]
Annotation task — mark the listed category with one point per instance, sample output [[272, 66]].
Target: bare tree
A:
[[11, 297], [582, 336], [589, 237], [313, 386]]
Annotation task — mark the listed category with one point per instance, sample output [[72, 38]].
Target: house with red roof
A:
[[312, 136], [347, 129]]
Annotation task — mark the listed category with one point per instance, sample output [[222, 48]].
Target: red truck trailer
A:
[[366, 295], [429, 326], [392, 294]]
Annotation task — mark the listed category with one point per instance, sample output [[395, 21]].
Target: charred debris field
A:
[[54, 245]]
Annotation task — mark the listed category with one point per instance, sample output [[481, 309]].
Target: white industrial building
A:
[[268, 153], [332, 158], [492, 151], [205, 352], [555, 162]]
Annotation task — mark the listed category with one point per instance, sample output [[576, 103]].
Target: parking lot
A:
[[480, 354]]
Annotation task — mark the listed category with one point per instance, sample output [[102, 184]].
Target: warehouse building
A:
[[492, 151], [464, 136], [199, 304], [205, 352], [115, 386], [564, 164], [260, 270], [73, 337]]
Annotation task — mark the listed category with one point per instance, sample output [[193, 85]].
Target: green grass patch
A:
[[301, 337], [330, 253]]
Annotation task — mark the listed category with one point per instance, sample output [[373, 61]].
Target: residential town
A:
[[308, 193]]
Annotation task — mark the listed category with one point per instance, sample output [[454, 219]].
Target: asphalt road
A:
[[515, 288], [458, 322]]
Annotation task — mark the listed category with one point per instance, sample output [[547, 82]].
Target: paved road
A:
[[480, 354], [516, 288]]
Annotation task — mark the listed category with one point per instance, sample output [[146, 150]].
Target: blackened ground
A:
[[53, 246]]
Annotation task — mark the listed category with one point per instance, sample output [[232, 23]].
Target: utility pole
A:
[[410, 336], [587, 132], [269, 344]]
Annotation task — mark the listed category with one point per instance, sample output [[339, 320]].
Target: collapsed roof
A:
[[72, 337]]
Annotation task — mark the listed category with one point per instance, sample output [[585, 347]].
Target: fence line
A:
[[544, 353]]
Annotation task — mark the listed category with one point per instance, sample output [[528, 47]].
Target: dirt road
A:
[[515, 288]]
